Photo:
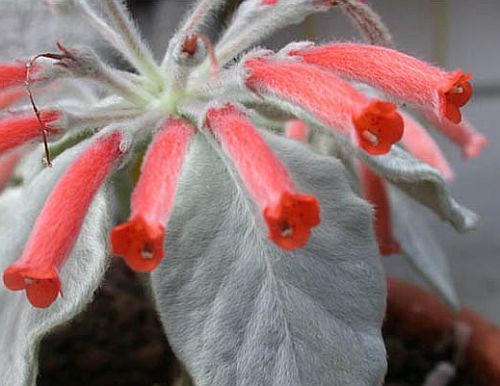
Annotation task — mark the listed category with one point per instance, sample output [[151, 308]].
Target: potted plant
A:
[[258, 246]]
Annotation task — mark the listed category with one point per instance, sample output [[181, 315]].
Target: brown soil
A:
[[410, 362], [118, 341]]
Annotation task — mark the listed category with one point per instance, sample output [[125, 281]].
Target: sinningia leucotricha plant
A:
[[264, 264]]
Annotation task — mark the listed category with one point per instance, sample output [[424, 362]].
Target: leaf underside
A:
[[420, 247], [240, 311]]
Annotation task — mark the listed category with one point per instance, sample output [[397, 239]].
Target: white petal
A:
[[240, 311]]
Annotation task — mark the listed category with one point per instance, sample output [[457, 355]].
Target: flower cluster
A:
[[200, 89]]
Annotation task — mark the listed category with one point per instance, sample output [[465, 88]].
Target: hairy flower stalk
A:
[[179, 98], [140, 239], [288, 214], [53, 237]]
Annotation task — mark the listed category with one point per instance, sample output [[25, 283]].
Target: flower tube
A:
[[140, 239], [375, 191], [289, 215], [421, 145], [375, 125], [18, 130], [57, 227], [400, 75]]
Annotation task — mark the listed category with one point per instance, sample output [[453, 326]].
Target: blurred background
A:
[[453, 34]]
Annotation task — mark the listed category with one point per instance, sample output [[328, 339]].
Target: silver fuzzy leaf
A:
[[240, 311]]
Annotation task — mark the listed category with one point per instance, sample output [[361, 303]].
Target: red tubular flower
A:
[[8, 162], [289, 215], [140, 239], [376, 124], [58, 225], [395, 73], [419, 143], [297, 129], [17, 131], [378, 127], [375, 191], [463, 134]]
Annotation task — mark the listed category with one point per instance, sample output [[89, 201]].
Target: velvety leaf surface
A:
[[420, 247], [240, 311], [21, 325], [422, 182]]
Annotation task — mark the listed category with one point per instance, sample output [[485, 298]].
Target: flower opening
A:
[[378, 127], [291, 219], [140, 240], [395, 73], [42, 284], [289, 216], [376, 124], [456, 94], [58, 225]]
